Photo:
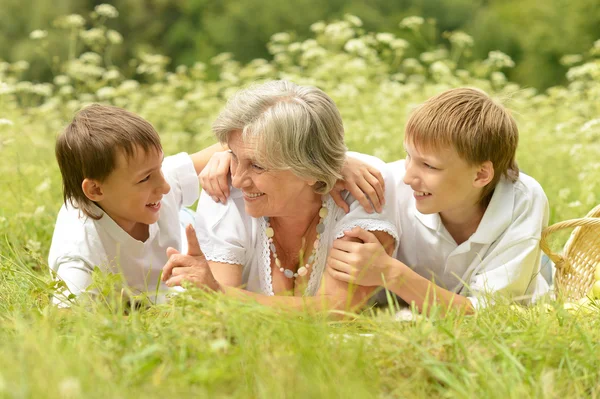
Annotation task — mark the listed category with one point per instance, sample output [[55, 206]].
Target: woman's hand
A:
[[364, 182], [214, 178], [192, 267], [363, 263]]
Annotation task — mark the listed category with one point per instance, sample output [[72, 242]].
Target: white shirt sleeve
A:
[[512, 266], [513, 271], [223, 229], [358, 217], [181, 175], [75, 272]]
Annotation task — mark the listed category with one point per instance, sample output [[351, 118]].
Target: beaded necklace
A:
[[302, 270]]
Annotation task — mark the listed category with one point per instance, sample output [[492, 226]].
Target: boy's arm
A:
[[76, 274], [414, 288], [369, 263], [202, 157]]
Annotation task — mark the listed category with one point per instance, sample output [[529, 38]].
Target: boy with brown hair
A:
[[469, 222], [122, 203]]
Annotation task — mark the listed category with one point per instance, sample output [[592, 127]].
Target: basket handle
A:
[[582, 222]]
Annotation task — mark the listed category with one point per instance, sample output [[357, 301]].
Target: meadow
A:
[[202, 345]]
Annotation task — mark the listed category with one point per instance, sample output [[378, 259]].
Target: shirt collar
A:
[[496, 219], [498, 215]]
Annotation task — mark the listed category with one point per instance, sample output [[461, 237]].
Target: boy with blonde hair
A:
[[122, 203], [469, 222]]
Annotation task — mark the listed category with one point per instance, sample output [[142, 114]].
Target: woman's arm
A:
[[227, 278]]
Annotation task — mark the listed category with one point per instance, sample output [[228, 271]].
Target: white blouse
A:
[[228, 235]]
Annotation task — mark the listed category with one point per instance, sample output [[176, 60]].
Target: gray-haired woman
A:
[[271, 238]]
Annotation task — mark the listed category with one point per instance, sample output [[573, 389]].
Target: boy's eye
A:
[[429, 166], [145, 179]]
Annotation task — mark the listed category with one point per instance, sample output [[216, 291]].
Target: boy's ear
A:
[[92, 189], [485, 174]]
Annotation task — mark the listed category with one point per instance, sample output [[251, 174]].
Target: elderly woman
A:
[[270, 240]]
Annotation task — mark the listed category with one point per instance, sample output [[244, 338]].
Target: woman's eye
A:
[[258, 168]]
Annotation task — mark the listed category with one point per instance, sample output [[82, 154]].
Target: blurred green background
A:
[[536, 34]]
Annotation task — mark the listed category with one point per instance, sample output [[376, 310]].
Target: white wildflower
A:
[[113, 74], [384, 37], [571, 59], [221, 58], [399, 44], [355, 46], [498, 78], [106, 10], [42, 89], [114, 37], [498, 60], [589, 70], [66, 91], [412, 23], [427, 57], [72, 21], [353, 19], [91, 36], [461, 39], [20, 66], [105, 93], [294, 47], [62, 80], [282, 37], [129, 85], [91, 58], [309, 44], [38, 34], [318, 27], [439, 69], [6, 122], [574, 204]]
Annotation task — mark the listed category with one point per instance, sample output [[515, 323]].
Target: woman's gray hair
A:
[[291, 127]]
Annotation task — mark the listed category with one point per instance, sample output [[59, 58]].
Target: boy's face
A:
[[131, 194], [442, 182]]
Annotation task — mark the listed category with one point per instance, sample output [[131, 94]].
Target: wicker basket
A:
[[576, 266]]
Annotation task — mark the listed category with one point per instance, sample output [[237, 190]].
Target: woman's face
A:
[[267, 192]]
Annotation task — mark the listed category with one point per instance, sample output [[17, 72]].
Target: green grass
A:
[[207, 346]]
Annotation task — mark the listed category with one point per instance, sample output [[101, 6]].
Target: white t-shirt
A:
[[502, 255], [228, 235], [80, 243]]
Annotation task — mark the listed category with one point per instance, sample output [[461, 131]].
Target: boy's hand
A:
[[364, 182], [363, 263], [214, 178], [192, 267]]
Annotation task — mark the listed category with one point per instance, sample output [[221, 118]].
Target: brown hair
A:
[[477, 127], [89, 145]]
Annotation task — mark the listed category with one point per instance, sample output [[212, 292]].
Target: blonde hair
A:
[[291, 127], [87, 148], [476, 126]]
